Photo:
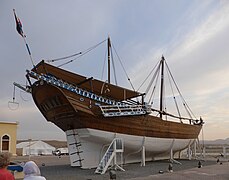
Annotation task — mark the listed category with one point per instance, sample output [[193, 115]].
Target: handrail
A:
[[116, 146], [124, 110]]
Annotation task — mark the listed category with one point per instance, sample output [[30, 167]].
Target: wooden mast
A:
[[162, 86], [109, 57]]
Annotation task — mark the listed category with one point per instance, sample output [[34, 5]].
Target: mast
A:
[[162, 85], [109, 57]]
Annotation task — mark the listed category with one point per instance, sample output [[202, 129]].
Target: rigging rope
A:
[[203, 136], [187, 110], [153, 91], [123, 68], [152, 80], [148, 75], [179, 90], [174, 98], [76, 54], [62, 58], [153, 83]]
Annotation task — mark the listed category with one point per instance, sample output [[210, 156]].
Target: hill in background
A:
[[217, 142]]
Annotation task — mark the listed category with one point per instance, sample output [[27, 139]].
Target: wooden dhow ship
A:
[[95, 113]]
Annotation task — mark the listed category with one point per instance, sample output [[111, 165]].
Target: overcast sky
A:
[[192, 35]]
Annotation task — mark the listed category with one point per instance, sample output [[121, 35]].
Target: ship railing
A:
[[70, 87], [124, 110]]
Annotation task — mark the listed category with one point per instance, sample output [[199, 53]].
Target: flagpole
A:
[[27, 47], [20, 31]]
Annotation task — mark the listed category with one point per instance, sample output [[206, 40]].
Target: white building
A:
[[35, 148]]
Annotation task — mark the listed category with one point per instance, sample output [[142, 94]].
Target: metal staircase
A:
[[74, 147], [115, 147], [124, 110]]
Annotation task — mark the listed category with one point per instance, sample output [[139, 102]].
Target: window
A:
[[5, 143]]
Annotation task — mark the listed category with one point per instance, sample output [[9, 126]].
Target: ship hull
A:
[[94, 143], [70, 111], [89, 133]]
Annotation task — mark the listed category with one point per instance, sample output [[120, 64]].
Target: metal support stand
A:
[[194, 153], [171, 155], [224, 151], [204, 152], [143, 163], [189, 152]]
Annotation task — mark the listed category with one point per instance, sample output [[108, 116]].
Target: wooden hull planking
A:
[[70, 111]]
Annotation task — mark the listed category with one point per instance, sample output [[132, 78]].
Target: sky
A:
[[192, 36]]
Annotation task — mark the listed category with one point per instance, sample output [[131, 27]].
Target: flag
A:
[[18, 25]]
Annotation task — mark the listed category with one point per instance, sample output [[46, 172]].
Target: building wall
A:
[[8, 137]]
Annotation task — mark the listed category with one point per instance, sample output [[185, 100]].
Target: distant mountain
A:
[[217, 141]]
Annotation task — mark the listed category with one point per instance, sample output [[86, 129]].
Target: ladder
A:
[[74, 147], [116, 146]]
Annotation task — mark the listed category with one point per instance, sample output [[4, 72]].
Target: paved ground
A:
[[212, 172], [54, 168]]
